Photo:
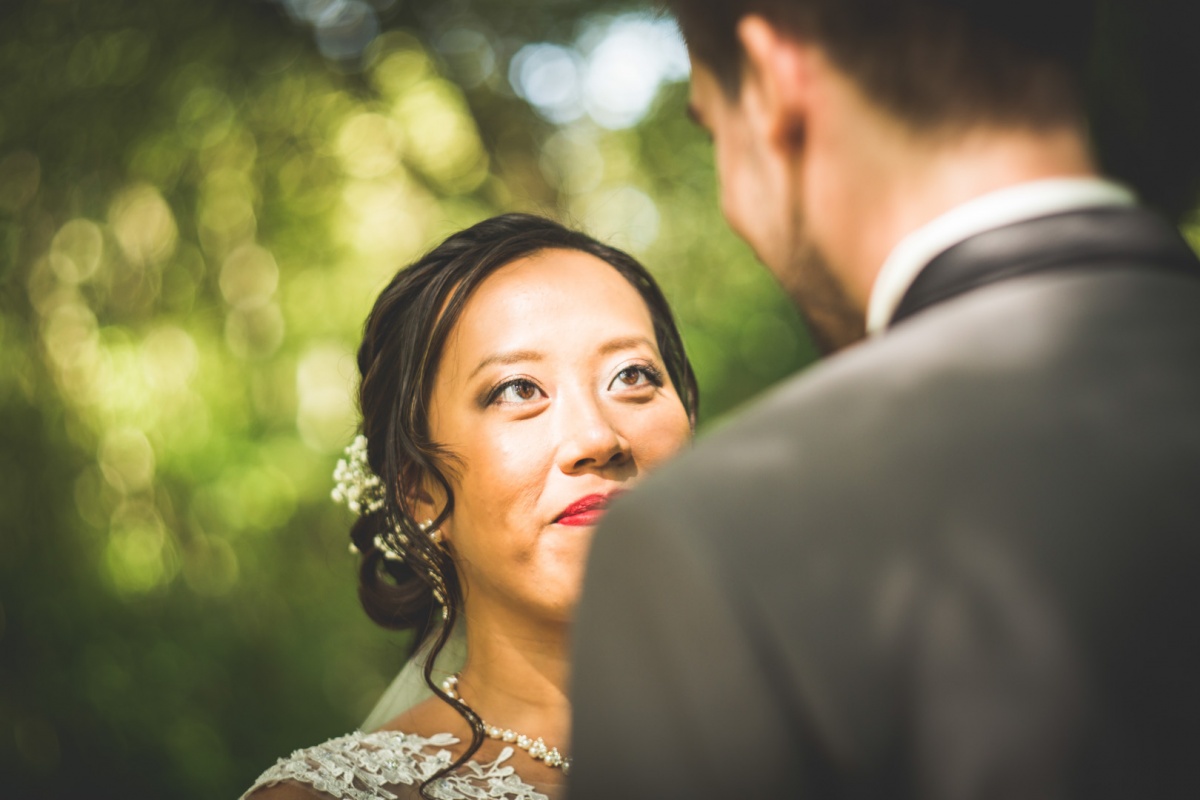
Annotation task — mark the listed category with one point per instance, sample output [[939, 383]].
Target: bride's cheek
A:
[[665, 437]]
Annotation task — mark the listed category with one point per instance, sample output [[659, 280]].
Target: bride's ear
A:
[[425, 498]]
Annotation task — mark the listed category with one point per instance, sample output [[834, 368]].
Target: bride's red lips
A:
[[586, 510]]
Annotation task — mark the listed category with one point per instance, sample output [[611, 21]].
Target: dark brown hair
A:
[[397, 361], [931, 63]]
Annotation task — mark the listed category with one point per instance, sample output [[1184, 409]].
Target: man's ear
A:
[[777, 77]]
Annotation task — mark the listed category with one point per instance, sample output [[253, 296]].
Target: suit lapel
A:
[[1108, 238]]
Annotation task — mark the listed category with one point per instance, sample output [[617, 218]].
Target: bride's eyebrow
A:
[[510, 357], [625, 343], [518, 356]]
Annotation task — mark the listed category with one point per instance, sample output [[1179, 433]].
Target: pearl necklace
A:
[[536, 747]]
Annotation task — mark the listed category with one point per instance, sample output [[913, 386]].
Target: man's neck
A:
[[900, 184]]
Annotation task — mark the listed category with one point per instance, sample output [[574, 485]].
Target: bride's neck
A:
[[517, 673]]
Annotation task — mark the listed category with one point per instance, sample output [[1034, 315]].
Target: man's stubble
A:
[[834, 321]]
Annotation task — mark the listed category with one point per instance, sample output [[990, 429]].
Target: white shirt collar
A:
[[993, 210]]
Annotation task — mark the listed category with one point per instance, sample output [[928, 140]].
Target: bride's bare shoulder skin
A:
[[430, 717]]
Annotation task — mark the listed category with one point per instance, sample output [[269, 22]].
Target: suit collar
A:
[[1097, 238], [993, 210]]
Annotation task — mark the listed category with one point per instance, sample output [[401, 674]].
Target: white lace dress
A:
[[390, 765]]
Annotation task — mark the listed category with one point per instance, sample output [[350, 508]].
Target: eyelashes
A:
[[523, 389], [652, 374]]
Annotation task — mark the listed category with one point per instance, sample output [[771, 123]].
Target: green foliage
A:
[[196, 211]]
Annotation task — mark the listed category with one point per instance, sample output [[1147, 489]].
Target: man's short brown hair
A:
[[931, 63]]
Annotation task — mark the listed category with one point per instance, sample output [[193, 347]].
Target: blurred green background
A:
[[198, 202]]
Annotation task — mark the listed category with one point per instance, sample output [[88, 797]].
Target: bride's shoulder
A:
[[391, 765], [384, 764]]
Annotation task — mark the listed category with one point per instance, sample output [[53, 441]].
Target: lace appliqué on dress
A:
[[361, 766]]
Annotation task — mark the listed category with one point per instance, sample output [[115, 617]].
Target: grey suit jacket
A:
[[960, 560]]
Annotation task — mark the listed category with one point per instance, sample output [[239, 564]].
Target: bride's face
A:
[[553, 396]]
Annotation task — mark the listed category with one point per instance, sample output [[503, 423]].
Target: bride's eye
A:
[[636, 376], [515, 392]]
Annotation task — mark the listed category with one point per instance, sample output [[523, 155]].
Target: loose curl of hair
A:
[[402, 344]]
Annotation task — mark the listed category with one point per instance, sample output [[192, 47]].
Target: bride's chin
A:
[[558, 604]]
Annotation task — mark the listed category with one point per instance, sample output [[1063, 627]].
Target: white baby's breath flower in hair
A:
[[354, 482]]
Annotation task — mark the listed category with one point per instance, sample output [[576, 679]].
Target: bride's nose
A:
[[589, 439]]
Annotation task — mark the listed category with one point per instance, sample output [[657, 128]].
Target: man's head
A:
[[821, 110]]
